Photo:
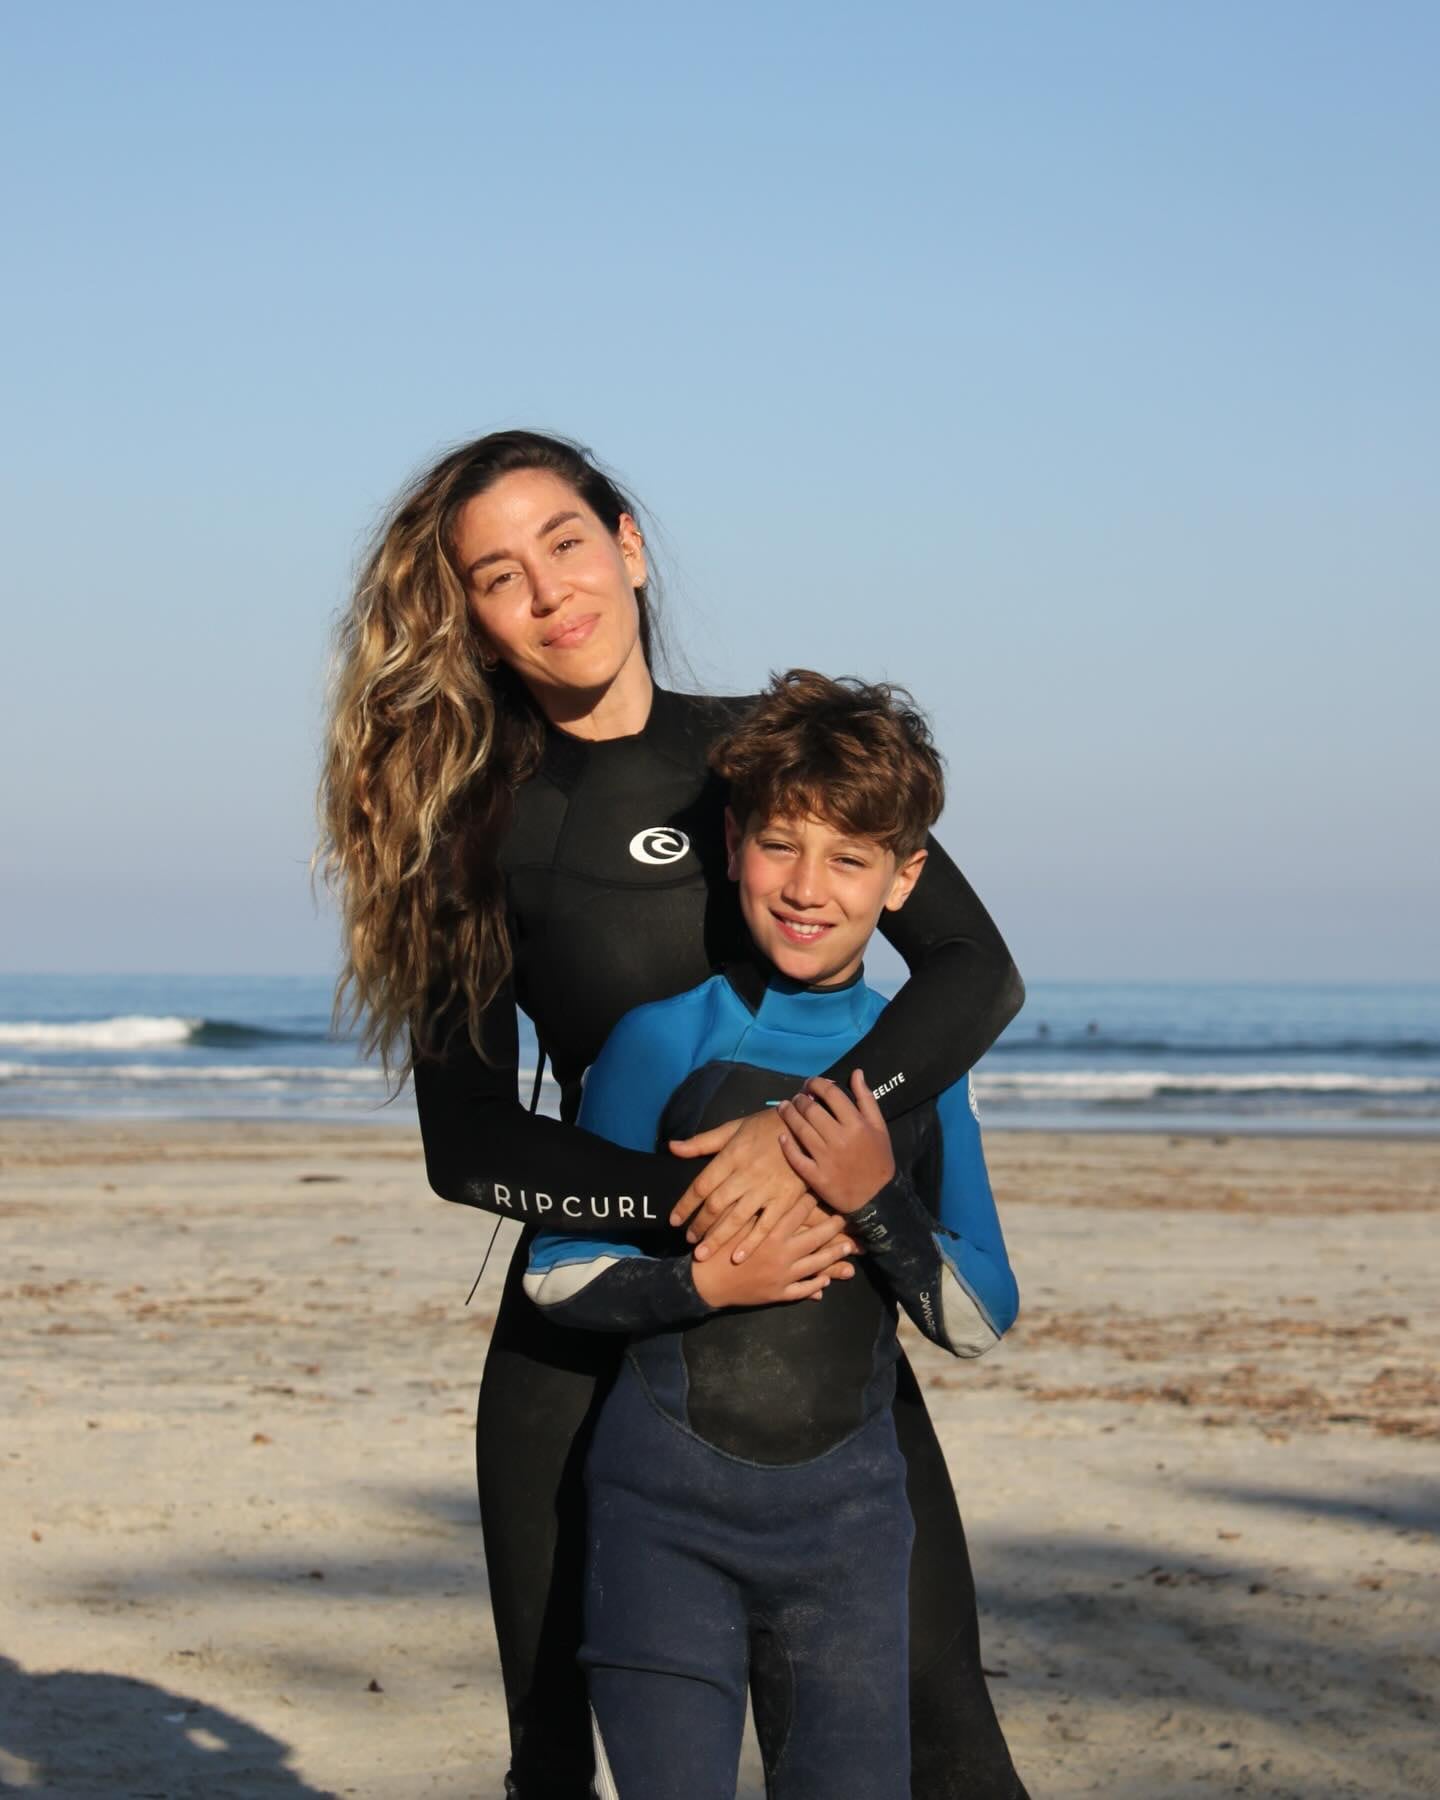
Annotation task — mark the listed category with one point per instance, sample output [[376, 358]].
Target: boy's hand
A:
[[839, 1147], [794, 1261]]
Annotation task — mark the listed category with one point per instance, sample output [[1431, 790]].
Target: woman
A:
[[516, 814]]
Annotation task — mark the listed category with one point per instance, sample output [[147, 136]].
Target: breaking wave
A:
[[146, 1031]]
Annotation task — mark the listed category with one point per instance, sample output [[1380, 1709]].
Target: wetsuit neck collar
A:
[[565, 754], [788, 1005]]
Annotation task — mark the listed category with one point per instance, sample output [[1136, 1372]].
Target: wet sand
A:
[[1201, 1478]]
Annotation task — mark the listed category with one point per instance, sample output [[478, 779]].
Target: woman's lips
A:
[[810, 933], [573, 632]]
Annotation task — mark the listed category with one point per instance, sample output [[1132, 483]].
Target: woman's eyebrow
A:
[[494, 556]]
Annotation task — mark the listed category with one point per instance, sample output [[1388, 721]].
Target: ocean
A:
[[1147, 1056]]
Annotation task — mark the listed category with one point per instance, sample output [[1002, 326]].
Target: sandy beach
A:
[[1201, 1478]]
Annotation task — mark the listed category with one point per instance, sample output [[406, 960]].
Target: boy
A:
[[748, 1519]]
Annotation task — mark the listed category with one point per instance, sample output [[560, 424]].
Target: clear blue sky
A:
[[1074, 364]]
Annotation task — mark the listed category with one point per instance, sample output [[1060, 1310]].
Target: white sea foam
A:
[[186, 1074], [1149, 1084], [136, 1031], [181, 1075]]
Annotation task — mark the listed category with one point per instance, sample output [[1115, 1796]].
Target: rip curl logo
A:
[[659, 844], [574, 1206]]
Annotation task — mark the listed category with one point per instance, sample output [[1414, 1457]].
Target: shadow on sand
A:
[[1183, 1651], [85, 1735], [1414, 1506]]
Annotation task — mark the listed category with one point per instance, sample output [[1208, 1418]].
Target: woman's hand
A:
[[748, 1183], [795, 1260], [838, 1146]]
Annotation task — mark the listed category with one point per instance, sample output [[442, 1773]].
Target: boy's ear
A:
[[733, 835], [906, 875]]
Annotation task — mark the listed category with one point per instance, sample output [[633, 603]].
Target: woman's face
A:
[[552, 591]]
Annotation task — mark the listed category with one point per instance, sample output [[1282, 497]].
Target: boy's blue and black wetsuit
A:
[[748, 1519]]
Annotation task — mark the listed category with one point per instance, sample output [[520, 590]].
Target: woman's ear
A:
[[733, 835], [906, 875], [632, 550]]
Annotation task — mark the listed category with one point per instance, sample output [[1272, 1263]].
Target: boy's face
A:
[[812, 894]]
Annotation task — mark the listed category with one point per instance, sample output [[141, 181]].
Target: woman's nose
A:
[[548, 591]]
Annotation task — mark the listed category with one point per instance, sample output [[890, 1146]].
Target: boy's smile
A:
[[812, 892]]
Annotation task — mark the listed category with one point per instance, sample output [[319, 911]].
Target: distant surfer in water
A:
[[516, 814]]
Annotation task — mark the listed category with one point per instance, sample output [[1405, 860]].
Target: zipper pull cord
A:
[[534, 1108]]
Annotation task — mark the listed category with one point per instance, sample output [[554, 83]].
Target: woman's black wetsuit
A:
[[615, 873]]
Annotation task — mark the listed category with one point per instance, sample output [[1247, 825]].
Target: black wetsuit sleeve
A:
[[898, 1231], [606, 1286], [934, 1236], [963, 991], [482, 1148]]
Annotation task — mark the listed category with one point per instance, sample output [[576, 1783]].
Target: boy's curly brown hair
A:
[[858, 754]]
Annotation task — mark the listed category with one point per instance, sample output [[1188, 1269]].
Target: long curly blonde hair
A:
[[425, 746]]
